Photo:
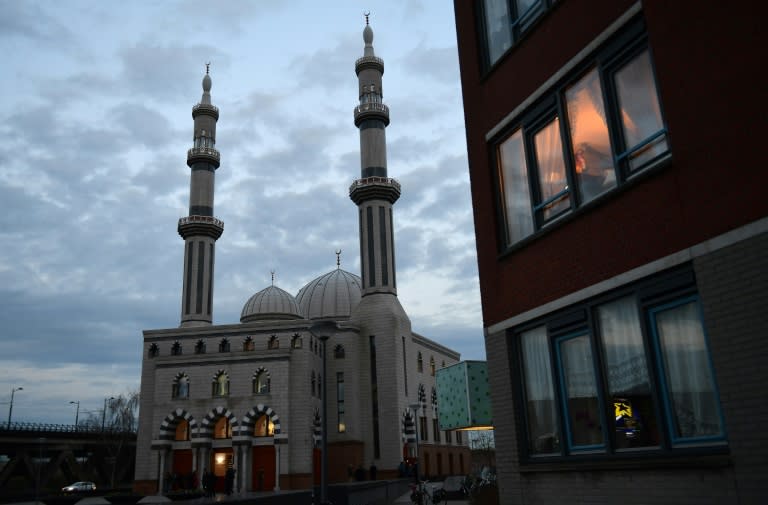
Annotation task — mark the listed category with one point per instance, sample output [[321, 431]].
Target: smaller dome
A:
[[331, 296], [269, 304]]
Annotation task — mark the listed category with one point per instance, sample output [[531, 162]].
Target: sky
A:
[[95, 121]]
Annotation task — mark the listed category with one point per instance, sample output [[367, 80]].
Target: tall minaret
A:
[[200, 229], [374, 193]]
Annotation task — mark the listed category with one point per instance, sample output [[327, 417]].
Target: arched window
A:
[[313, 383], [338, 351], [176, 349], [434, 397], [443, 364], [182, 430], [222, 428], [220, 384], [224, 345], [261, 382], [200, 347], [432, 366], [422, 394], [248, 343], [274, 342], [180, 387], [264, 427], [320, 386], [419, 363], [296, 341], [153, 351]]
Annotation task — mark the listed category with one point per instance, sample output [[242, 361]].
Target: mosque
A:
[[249, 396]]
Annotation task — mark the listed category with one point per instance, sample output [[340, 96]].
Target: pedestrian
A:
[[229, 480], [372, 471]]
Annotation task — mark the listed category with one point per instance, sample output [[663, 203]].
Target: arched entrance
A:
[[262, 424]]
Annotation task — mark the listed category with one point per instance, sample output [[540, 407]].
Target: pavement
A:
[[406, 498]]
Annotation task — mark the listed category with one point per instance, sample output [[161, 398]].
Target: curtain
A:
[[514, 182], [549, 157], [539, 391]]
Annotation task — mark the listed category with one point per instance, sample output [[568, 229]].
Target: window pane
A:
[[523, 6], [629, 387], [497, 28], [581, 392], [516, 193], [540, 406], [592, 154], [640, 111], [549, 158], [692, 395]]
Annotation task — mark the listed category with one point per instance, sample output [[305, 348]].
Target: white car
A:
[[79, 487]]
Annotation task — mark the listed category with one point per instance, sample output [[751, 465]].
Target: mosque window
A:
[[220, 384], [432, 366], [419, 363], [296, 341], [264, 427], [224, 345], [261, 382], [274, 342], [422, 395], [338, 351], [182, 431], [180, 386], [320, 386], [222, 428], [342, 427], [434, 397], [176, 349], [153, 351], [443, 364], [200, 347], [248, 343], [313, 383]]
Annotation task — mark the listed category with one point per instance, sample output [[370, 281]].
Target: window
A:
[[313, 383], [626, 374], [273, 343], [222, 428], [248, 344], [182, 431], [180, 386], [506, 21], [342, 427], [432, 366], [422, 395], [220, 384], [224, 345], [436, 430], [261, 382], [200, 347], [296, 341], [458, 441], [588, 136], [264, 427], [176, 349], [419, 363], [423, 428], [338, 351], [320, 386], [153, 351], [433, 398]]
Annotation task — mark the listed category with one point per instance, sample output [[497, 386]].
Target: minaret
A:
[[200, 229], [374, 193]]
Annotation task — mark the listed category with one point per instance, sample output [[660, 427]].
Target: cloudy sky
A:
[[95, 123]]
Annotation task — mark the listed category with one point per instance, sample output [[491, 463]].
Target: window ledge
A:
[[717, 458]]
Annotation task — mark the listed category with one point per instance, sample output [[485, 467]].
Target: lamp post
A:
[[104, 411], [10, 407], [77, 412], [323, 330], [416, 407]]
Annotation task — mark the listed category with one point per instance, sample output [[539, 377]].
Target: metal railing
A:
[[388, 181], [205, 151], [201, 219], [56, 428], [205, 106], [371, 107]]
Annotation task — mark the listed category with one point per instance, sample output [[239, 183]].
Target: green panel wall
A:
[[463, 397]]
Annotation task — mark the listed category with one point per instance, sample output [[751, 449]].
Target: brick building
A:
[[622, 237], [248, 395]]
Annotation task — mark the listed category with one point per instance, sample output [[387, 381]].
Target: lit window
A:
[[261, 382], [222, 428], [296, 341], [615, 385], [432, 366], [220, 384], [263, 427], [180, 386], [574, 146], [248, 344], [182, 431]]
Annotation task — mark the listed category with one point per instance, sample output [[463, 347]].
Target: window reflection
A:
[[497, 28], [264, 427], [578, 375], [552, 180], [515, 188], [592, 156]]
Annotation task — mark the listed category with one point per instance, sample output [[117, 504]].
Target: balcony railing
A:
[[368, 60], [207, 152], [369, 181], [205, 107], [201, 219]]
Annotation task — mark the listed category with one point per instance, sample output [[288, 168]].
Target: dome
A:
[[268, 304], [330, 296]]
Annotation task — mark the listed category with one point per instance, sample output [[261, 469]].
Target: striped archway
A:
[[250, 418], [168, 426], [209, 421]]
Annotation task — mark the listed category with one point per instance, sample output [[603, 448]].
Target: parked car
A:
[[79, 487]]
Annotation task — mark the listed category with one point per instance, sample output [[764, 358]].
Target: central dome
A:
[[330, 296], [268, 304]]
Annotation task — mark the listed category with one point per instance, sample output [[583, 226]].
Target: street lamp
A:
[[10, 407], [415, 407], [104, 412], [323, 330], [77, 412]]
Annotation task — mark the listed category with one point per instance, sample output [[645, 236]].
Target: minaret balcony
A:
[[200, 225], [371, 110], [207, 109], [374, 188], [366, 62], [204, 154]]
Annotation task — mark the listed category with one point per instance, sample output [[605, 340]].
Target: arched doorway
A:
[[263, 458]]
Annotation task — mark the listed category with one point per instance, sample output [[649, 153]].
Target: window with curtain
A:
[[629, 374], [220, 384], [598, 127], [180, 387]]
